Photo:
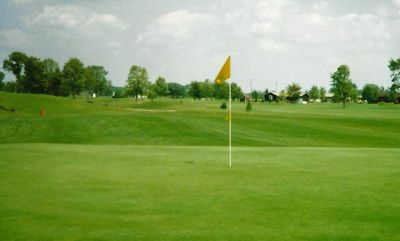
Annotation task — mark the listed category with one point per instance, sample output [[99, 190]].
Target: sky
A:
[[272, 42]]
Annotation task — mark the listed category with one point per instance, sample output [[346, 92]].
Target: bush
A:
[[223, 106], [248, 106]]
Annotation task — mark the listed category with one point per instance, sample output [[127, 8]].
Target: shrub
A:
[[248, 106], [223, 106]]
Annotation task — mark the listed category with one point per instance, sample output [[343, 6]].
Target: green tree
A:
[[73, 76], [50, 65], [207, 89], [341, 86], [195, 90], [95, 79], [176, 90], [293, 92], [161, 87], [10, 86], [237, 92], [2, 75], [138, 81], [221, 91], [108, 89], [371, 93], [152, 93], [34, 77], [15, 63], [314, 93], [394, 66], [52, 77], [254, 95], [322, 94], [389, 95]]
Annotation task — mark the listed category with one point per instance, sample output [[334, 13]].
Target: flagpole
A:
[[230, 125]]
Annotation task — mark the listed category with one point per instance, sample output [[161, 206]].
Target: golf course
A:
[[120, 169]]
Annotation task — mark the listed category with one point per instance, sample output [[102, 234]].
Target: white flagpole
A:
[[230, 125]]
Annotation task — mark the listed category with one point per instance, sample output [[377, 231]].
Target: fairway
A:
[[126, 170]]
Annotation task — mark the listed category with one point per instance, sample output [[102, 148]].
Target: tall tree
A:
[[314, 93], [73, 73], [15, 63], [394, 66], [221, 91], [50, 65], [52, 77], [322, 94], [176, 90], [254, 95], [161, 87], [371, 93], [341, 86], [195, 90], [34, 78], [96, 79], [207, 89], [293, 92], [2, 75], [108, 90], [237, 92], [138, 81]]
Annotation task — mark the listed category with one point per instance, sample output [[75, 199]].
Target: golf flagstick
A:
[[224, 75], [230, 124]]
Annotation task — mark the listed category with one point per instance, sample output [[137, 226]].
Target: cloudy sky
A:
[[272, 42]]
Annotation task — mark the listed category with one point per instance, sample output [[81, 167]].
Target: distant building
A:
[[245, 98], [271, 97], [329, 97], [304, 97]]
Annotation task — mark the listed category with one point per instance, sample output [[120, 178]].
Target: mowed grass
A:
[[90, 192], [120, 170], [200, 123]]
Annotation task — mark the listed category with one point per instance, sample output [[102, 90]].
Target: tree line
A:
[[344, 90], [138, 85], [34, 75]]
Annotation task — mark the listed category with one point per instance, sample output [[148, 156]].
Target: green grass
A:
[[184, 122], [120, 170], [90, 192]]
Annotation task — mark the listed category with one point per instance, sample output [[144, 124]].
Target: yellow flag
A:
[[225, 72]]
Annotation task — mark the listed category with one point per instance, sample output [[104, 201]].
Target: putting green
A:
[[123, 192]]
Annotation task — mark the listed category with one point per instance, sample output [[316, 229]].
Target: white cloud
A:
[[76, 18], [13, 38], [20, 2], [320, 6], [287, 24], [311, 37], [272, 9], [180, 24], [272, 46]]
